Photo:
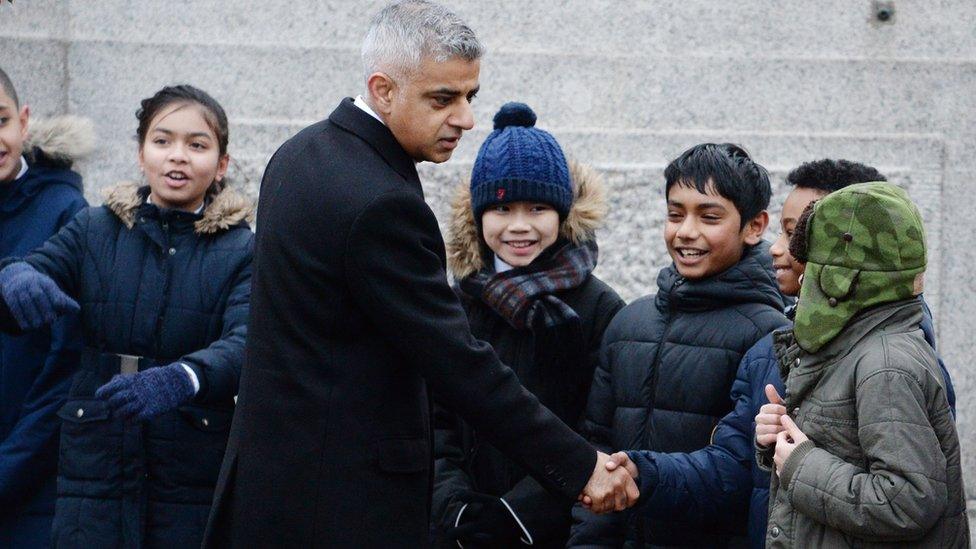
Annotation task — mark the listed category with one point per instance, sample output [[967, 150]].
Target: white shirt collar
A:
[[361, 103], [23, 168], [198, 211], [501, 266]]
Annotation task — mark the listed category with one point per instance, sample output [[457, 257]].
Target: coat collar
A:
[[225, 210], [802, 370], [751, 280], [357, 122]]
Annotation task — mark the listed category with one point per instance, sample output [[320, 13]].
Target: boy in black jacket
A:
[[522, 247], [668, 360]]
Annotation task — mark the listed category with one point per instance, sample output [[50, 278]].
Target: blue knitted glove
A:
[[148, 393], [33, 298]]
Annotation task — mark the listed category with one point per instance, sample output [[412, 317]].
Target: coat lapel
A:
[[352, 119]]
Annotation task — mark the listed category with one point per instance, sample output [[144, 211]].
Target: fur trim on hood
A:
[[225, 210], [63, 138], [465, 247]]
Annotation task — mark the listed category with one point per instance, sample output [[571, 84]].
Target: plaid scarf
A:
[[523, 296]]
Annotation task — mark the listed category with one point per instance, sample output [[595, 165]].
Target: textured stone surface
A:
[[624, 86]]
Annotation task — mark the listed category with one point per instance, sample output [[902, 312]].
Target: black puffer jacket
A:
[[165, 285], [667, 364], [556, 364]]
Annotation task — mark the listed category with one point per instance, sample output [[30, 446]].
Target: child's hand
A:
[[787, 441], [768, 424]]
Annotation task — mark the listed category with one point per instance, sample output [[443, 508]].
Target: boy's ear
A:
[[754, 229], [381, 89]]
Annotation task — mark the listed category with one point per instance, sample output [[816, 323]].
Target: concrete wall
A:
[[624, 86]]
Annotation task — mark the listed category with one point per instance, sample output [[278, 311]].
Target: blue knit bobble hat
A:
[[519, 162]]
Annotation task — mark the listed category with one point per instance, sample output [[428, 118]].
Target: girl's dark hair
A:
[[213, 114]]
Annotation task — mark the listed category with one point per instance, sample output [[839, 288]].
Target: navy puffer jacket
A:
[[668, 363], [164, 285], [36, 368]]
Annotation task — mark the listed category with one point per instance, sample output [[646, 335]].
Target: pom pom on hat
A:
[[514, 114]]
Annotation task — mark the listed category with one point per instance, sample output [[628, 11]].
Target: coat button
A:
[[205, 422], [832, 302], [172, 251], [796, 410], [774, 531], [80, 412], [848, 237]]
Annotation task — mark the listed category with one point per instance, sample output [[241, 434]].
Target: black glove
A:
[[486, 522]]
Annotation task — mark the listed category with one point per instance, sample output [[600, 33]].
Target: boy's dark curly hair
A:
[[829, 175]]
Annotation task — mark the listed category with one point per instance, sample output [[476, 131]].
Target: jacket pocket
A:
[[199, 439], [90, 442], [401, 455]]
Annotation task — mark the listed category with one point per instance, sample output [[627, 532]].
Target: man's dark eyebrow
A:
[[445, 91]]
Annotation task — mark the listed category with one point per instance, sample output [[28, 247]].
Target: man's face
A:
[[430, 109], [13, 132]]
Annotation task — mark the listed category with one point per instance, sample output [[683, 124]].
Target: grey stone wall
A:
[[624, 86]]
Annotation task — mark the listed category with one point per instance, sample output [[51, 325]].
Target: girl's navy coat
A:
[[35, 368], [164, 285]]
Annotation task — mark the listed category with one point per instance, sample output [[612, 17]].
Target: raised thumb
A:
[[773, 395]]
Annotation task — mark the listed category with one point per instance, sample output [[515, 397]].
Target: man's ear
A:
[[755, 228], [381, 89]]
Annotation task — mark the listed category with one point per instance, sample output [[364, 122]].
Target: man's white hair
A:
[[405, 33]]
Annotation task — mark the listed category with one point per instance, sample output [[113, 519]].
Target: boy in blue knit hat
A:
[[522, 250], [668, 360]]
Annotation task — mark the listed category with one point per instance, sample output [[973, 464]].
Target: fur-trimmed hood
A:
[[226, 209], [466, 249], [62, 139]]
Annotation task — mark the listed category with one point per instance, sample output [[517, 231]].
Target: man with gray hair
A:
[[353, 319]]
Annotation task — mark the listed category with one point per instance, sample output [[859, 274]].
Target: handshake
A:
[[611, 486]]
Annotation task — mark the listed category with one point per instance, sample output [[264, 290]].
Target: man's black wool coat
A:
[[352, 318]]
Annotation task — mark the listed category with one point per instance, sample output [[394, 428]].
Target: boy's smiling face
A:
[[519, 231], [788, 269], [13, 132], [703, 232]]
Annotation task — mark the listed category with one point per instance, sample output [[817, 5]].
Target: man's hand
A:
[[609, 490], [768, 424], [786, 441], [621, 459]]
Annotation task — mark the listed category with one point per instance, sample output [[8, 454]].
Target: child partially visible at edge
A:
[[39, 194]]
